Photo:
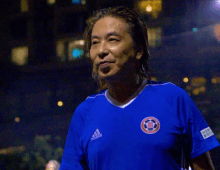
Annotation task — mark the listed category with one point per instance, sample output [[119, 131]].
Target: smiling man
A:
[[133, 123], [114, 57]]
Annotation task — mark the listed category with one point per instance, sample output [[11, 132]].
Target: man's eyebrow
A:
[[112, 33], [94, 36], [109, 34]]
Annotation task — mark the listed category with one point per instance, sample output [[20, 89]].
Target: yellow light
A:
[[198, 81], [10, 150], [154, 79], [83, 2], [77, 42], [202, 89], [185, 79], [216, 80], [24, 6], [195, 91], [154, 7], [60, 103], [20, 55], [60, 50], [81, 42], [17, 119], [51, 2], [148, 8]]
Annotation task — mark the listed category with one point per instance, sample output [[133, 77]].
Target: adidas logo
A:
[[96, 135]]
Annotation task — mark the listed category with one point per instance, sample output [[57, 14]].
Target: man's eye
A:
[[113, 39], [94, 42]]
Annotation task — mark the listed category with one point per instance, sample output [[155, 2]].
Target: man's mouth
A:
[[104, 64]]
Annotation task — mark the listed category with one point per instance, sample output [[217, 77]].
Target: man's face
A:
[[112, 49]]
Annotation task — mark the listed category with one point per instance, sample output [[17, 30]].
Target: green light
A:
[[195, 29]]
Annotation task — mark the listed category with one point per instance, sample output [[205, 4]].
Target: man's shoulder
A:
[[84, 108], [95, 96], [166, 89], [164, 85], [91, 100]]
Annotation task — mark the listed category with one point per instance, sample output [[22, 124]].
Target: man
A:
[[133, 123]]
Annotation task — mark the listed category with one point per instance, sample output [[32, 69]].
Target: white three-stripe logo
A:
[[96, 135]]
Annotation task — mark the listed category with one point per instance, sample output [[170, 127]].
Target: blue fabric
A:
[[159, 130]]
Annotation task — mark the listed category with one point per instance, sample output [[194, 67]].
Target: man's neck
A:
[[121, 90]]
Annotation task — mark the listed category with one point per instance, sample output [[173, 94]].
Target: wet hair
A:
[[137, 30]]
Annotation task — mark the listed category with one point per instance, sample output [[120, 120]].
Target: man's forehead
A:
[[109, 25]]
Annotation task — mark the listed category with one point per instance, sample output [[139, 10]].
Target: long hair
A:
[[137, 30]]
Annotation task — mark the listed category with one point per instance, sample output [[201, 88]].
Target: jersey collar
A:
[[129, 100]]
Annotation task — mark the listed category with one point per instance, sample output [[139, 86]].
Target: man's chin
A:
[[109, 77]]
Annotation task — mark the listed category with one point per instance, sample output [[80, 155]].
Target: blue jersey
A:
[[160, 128]]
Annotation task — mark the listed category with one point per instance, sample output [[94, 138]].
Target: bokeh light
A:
[[195, 30], [53, 165], [60, 103], [75, 49], [185, 79], [20, 55], [217, 4], [77, 53], [217, 31], [24, 5], [17, 119], [51, 2], [196, 91], [215, 80], [83, 2], [76, 1], [154, 8], [149, 8], [154, 79], [198, 81], [202, 89]]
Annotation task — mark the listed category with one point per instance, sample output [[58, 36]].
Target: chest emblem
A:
[[150, 125]]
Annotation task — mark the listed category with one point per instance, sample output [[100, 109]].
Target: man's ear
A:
[[139, 54]]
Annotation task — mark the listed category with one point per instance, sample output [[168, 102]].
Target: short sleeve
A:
[[73, 157], [202, 138]]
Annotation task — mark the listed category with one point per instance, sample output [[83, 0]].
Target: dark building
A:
[[42, 47]]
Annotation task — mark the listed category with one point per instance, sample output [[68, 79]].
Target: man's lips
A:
[[104, 64]]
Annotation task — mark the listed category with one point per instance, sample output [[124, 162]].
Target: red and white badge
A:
[[150, 125]]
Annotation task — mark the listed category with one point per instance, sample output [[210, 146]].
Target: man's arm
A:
[[202, 162]]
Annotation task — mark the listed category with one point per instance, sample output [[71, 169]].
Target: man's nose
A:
[[103, 50]]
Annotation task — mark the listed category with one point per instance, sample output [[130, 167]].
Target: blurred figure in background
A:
[[133, 122]]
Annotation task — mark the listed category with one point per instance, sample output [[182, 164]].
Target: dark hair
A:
[[136, 28]]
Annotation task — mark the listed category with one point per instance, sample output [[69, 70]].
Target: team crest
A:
[[150, 125]]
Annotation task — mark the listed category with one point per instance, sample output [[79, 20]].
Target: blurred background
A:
[[44, 73]]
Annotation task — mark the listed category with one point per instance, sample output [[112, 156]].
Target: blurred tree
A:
[[45, 149]]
